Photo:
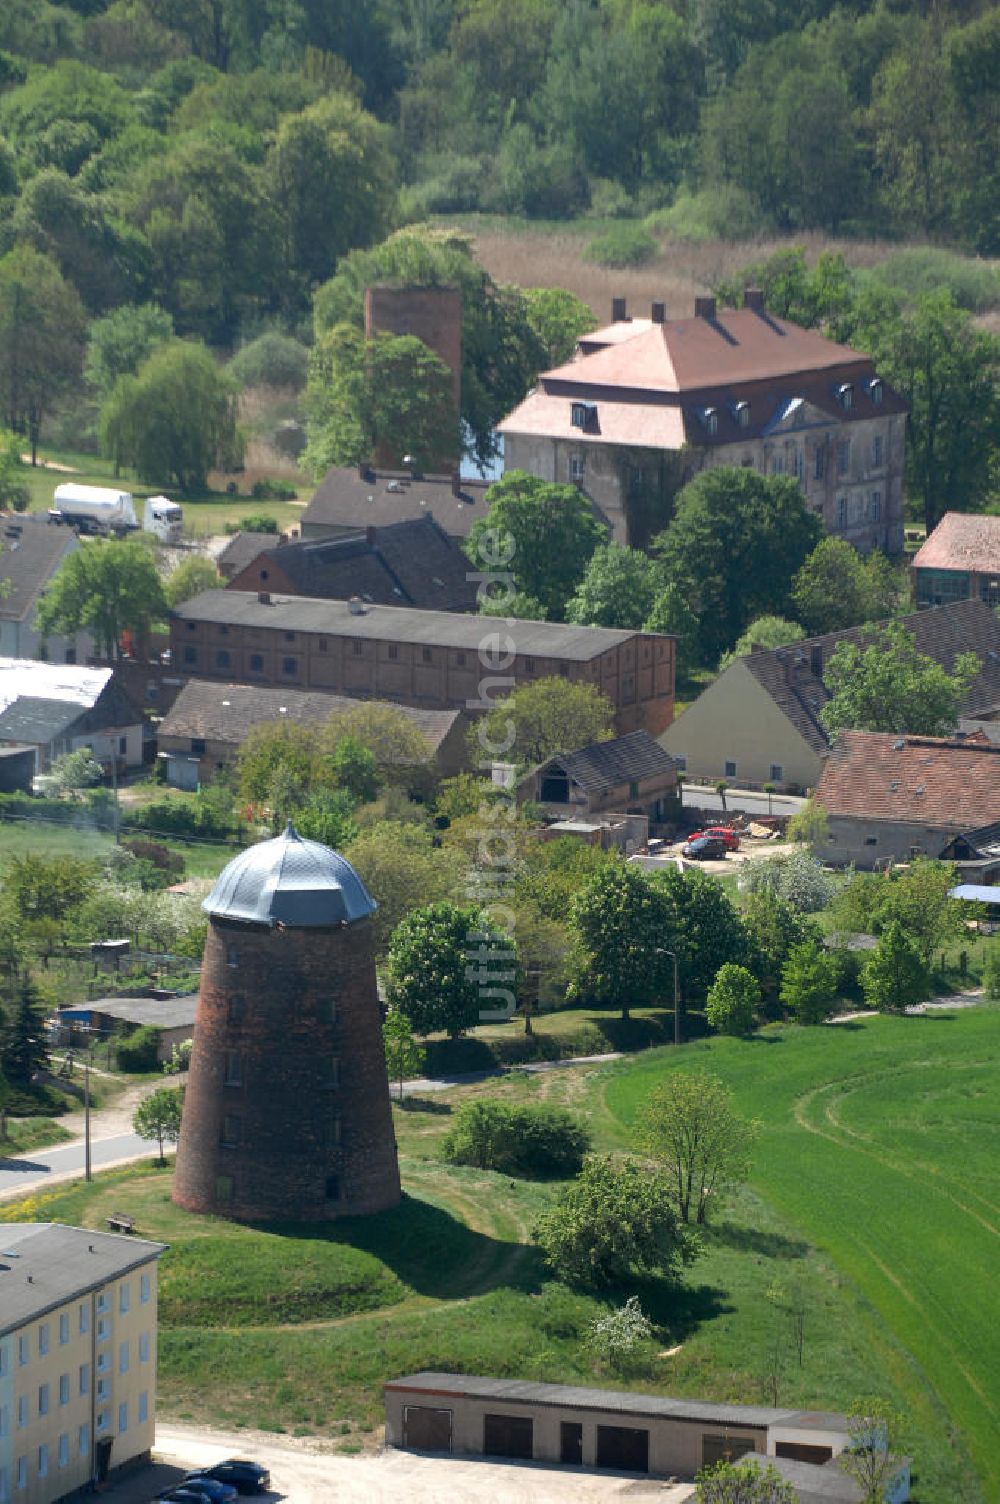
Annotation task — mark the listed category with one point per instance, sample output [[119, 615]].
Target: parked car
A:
[[724, 833], [704, 849], [209, 1490], [245, 1477], [180, 1494]]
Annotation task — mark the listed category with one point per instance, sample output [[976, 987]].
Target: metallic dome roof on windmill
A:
[[292, 882]]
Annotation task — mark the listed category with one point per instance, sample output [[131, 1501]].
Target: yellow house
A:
[[77, 1357]]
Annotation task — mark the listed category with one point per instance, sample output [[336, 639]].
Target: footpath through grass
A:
[[880, 1142]]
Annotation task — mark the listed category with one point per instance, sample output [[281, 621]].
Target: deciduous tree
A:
[[690, 1125], [622, 920], [540, 719], [809, 982], [108, 588], [119, 343], [545, 533], [743, 1483], [159, 1116], [733, 1001], [41, 339], [837, 588], [403, 1055], [614, 1223], [175, 420], [887, 684], [403, 870], [765, 632], [738, 538], [618, 589], [190, 578], [893, 976], [389, 393], [445, 964]]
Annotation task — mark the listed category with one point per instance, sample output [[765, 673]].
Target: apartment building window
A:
[[22, 1411], [841, 511], [4, 1360], [124, 1296], [83, 1441], [730, 770], [43, 1339], [4, 1421], [876, 391], [43, 1460], [577, 469], [459, 660], [234, 1068], [427, 655], [875, 506], [144, 1289], [123, 1358], [43, 1399], [143, 1347], [289, 665], [103, 1330], [256, 663], [103, 1389], [64, 1389], [103, 1362], [323, 645], [63, 1329], [190, 655], [64, 1450], [877, 450], [357, 646], [198, 746], [4, 1484], [289, 636], [777, 773], [819, 464], [142, 1414], [101, 1424], [680, 758], [84, 1385], [843, 456], [798, 463], [103, 1301], [222, 658], [529, 665], [22, 1472], [393, 650]]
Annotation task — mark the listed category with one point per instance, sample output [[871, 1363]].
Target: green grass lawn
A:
[[17, 837], [32, 1133], [873, 1200], [879, 1143]]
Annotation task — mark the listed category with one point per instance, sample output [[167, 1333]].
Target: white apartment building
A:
[[77, 1357]]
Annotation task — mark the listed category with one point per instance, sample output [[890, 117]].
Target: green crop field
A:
[[880, 1143]]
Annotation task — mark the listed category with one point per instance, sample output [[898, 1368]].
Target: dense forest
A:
[[221, 170]]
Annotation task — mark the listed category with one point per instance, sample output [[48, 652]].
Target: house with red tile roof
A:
[[959, 561], [645, 404], [896, 797]]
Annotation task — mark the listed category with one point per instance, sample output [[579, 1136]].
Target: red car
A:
[[722, 833]]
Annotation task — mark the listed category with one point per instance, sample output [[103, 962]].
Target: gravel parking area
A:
[[303, 1473]]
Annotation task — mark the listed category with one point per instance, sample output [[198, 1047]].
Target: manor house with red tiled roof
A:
[[645, 404]]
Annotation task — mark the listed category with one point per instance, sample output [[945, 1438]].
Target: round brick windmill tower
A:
[[286, 1113]]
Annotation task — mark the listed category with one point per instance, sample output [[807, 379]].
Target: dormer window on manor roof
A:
[[741, 412], [845, 395], [584, 415], [876, 390], [710, 419]]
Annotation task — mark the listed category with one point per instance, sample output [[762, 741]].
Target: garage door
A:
[[801, 1451], [508, 1436], [426, 1429], [623, 1448]]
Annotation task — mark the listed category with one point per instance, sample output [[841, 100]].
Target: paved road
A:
[[37, 1170], [422, 1084], [697, 796]]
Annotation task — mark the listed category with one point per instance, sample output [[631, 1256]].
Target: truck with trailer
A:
[[163, 518]]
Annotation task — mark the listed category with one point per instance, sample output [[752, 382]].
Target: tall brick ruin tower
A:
[[286, 1113]]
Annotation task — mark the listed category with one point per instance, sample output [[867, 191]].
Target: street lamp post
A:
[[677, 994], [87, 1172]]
